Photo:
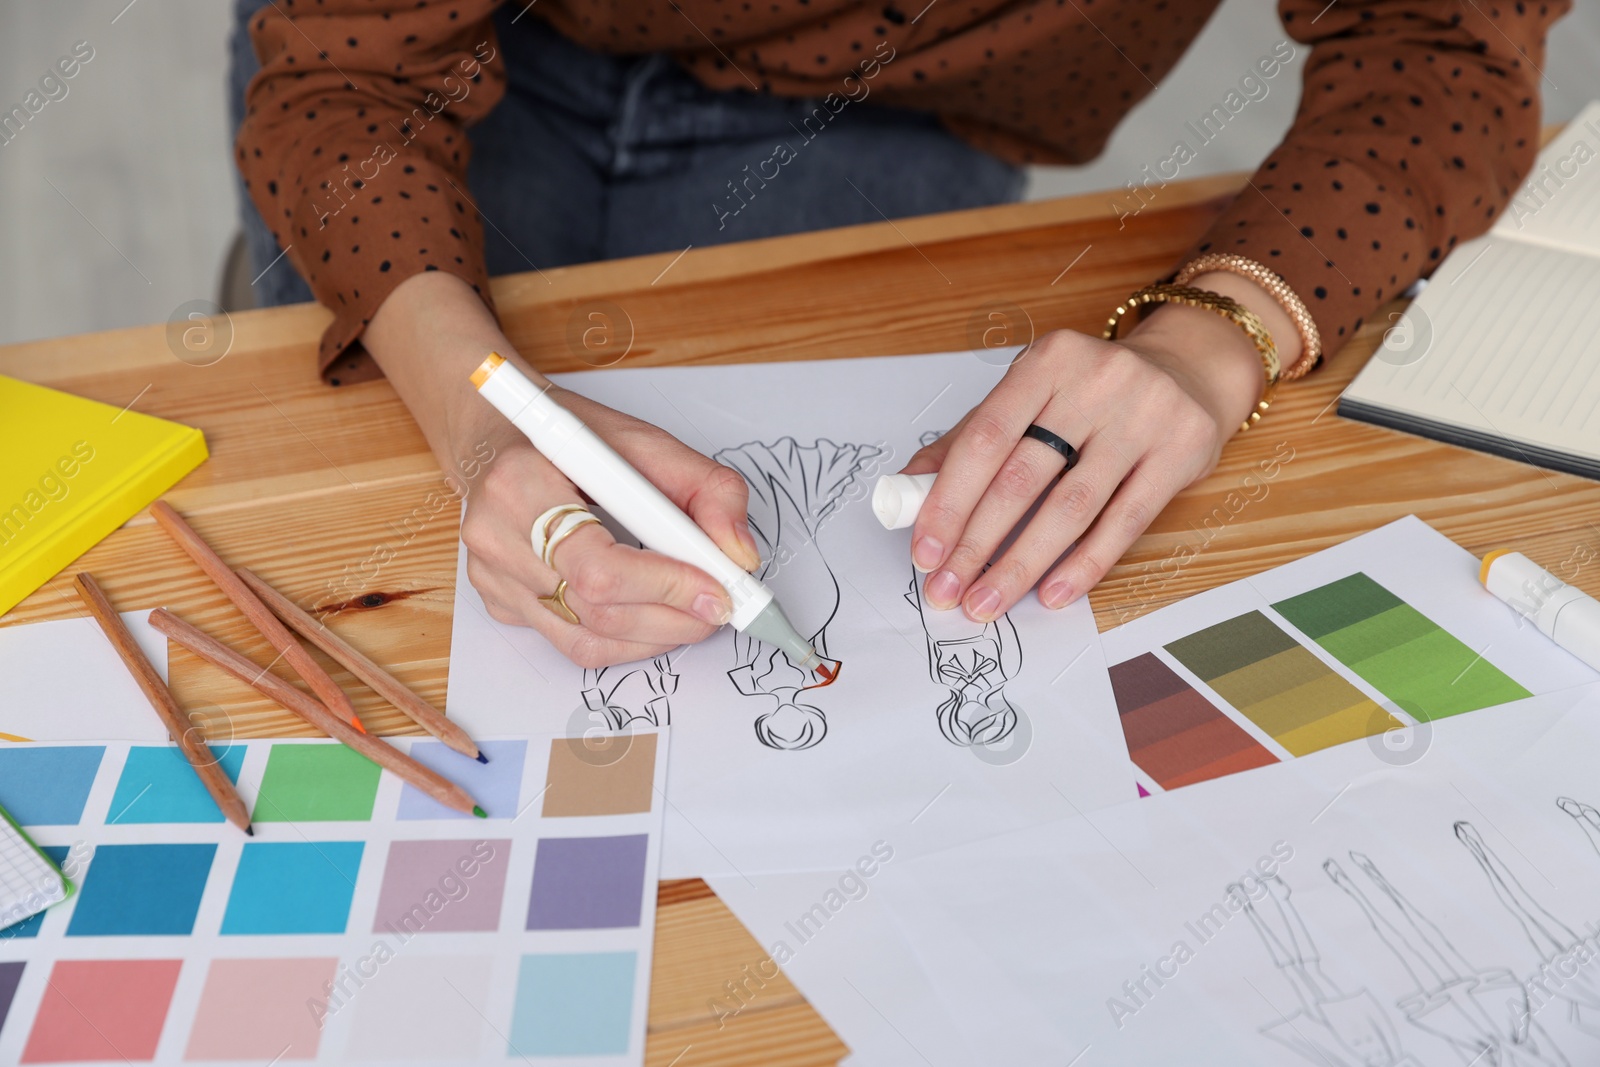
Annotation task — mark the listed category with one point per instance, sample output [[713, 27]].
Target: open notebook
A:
[[1501, 352]]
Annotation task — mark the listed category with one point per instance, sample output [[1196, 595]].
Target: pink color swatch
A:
[[442, 885], [257, 1010], [102, 1010]]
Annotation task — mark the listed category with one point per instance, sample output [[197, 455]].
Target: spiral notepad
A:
[[29, 881]]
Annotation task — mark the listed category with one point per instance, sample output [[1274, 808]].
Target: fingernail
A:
[[711, 609], [1056, 594], [752, 554], [942, 590], [982, 604], [927, 554]]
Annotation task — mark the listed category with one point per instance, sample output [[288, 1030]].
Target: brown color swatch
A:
[[1174, 734], [612, 775]]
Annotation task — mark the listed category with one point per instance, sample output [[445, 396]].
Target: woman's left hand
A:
[[1148, 414]]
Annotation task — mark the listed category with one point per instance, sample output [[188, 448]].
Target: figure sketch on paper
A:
[[794, 489], [1483, 1013], [631, 692], [1560, 948], [1331, 1028], [1587, 818], [974, 661]]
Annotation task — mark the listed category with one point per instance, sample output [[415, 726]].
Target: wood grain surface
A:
[[331, 495]]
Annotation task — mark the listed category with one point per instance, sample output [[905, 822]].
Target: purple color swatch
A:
[[588, 883], [432, 886], [10, 978]]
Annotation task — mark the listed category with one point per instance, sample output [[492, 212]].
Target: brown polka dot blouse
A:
[[1417, 121]]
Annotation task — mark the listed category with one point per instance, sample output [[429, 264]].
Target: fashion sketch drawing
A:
[[974, 661], [794, 489]]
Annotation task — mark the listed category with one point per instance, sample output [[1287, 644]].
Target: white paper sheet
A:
[[839, 944], [954, 935], [1116, 939], [65, 682], [819, 433]]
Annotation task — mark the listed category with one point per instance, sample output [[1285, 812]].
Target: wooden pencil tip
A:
[[479, 812], [482, 758], [356, 722]]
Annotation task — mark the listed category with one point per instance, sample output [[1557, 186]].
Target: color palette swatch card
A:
[[1364, 641], [362, 922]]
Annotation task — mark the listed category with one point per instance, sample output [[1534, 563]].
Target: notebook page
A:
[[1504, 341], [28, 883], [1559, 204]]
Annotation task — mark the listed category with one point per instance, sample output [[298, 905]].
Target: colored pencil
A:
[[276, 689], [353, 660], [299, 660], [184, 734]]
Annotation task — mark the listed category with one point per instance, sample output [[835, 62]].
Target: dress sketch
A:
[[1331, 1028], [974, 661], [794, 489], [631, 692], [1483, 1013]]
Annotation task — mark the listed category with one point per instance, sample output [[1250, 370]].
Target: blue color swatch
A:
[[159, 785], [47, 785], [293, 888], [494, 785], [573, 1004], [29, 927], [141, 889]]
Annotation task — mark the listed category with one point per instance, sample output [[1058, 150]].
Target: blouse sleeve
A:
[[1417, 121], [354, 149]]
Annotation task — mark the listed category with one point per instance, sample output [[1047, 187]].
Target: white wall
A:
[[139, 146]]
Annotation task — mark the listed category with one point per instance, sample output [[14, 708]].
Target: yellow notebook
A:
[[71, 471]]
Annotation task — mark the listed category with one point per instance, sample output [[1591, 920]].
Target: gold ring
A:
[[557, 603], [547, 521], [566, 526]]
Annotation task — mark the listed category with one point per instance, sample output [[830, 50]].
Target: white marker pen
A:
[[1568, 616], [659, 524]]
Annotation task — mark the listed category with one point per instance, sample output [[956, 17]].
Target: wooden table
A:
[[309, 485]]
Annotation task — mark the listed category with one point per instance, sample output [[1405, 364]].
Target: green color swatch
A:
[[317, 783], [1398, 650]]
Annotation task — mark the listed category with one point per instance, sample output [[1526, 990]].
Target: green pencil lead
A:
[[479, 812]]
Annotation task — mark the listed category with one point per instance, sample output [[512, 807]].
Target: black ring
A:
[[1044, 436]]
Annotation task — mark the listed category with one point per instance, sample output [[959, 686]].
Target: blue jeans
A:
[[591, 156]]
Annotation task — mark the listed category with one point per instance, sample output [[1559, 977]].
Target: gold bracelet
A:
[[1229, 309], [1278, 289]]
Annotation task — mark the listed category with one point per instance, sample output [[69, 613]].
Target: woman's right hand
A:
[[428, 336], [631, 603]]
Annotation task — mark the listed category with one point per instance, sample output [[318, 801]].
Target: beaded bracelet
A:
[[1278, 289]]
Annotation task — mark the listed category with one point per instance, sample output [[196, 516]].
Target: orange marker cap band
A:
[[1483, 571], [490, 364]]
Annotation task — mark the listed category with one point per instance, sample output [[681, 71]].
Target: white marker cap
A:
[[897, 498], [1566, 615]]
